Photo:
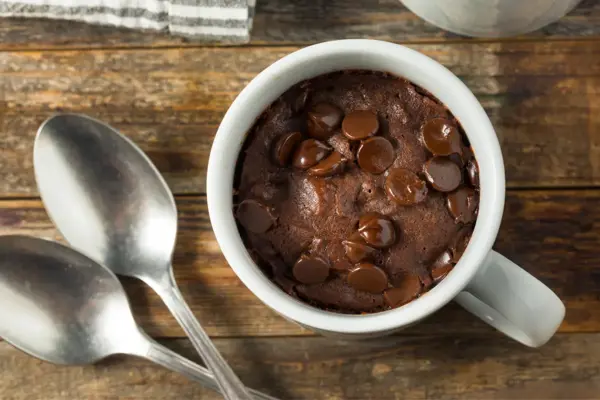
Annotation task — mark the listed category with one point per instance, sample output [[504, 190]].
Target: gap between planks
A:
[[452, 41]]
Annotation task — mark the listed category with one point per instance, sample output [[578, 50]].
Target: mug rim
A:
[[230, 137]]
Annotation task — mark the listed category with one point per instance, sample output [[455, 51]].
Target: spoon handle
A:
[[173, 361], [231, 386]]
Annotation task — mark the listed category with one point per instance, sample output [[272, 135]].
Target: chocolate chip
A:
[[441, 137], [254, 216], [460, 243], [409, 289], [309, 153], [473, 173], [300, 102], [462, 204], [377, 230], [405, 187], [443, 260], [285, 146], [359, 125], [426, 280], [332, 165], [357, 250], [466, 154], [441, 266], [368, 278], [443, 174], [375, 155], [323, 119], [310, 270], [440, 273]]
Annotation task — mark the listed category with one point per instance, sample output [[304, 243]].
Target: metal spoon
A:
[[60, 306], [111, 203]]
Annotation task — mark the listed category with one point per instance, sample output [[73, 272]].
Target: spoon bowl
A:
[[120, 211], [62, 306]]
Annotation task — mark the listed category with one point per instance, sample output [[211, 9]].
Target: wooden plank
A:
[[552, 234], [544, 99], [282, 22], [445, 366]]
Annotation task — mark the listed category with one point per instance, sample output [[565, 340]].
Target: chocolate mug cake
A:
[[356, 191]]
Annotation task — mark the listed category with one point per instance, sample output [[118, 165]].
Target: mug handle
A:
[[511, 300]]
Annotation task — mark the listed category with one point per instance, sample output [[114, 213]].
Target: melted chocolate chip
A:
[[300, 101], [443, 174], [426, 280], [460, 243], [473, 173], [368, 278], [310, 270], [440, 273], [375, 155], [357, 250], [285, 146], [359, 125], [441, 266], [323, 119], [309, 153], [377, 230], [441, 137], [332, 165], [466, 155], [409, 289], [405, 187], [462, 204], [254, 216], [443, 260]]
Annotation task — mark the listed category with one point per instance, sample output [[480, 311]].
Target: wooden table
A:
[[542, 92]]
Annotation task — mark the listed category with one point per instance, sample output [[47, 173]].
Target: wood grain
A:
[[543, 98], [283, 22], [552, 234], [477, 367], [541, 90]]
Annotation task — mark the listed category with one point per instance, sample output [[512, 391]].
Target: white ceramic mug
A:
[[490, 18], [484, 282]]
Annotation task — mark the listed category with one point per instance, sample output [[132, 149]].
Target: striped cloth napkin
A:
[[213, 20]]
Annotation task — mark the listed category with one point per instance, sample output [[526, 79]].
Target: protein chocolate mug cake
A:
[[357, 191], [339, 208]]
